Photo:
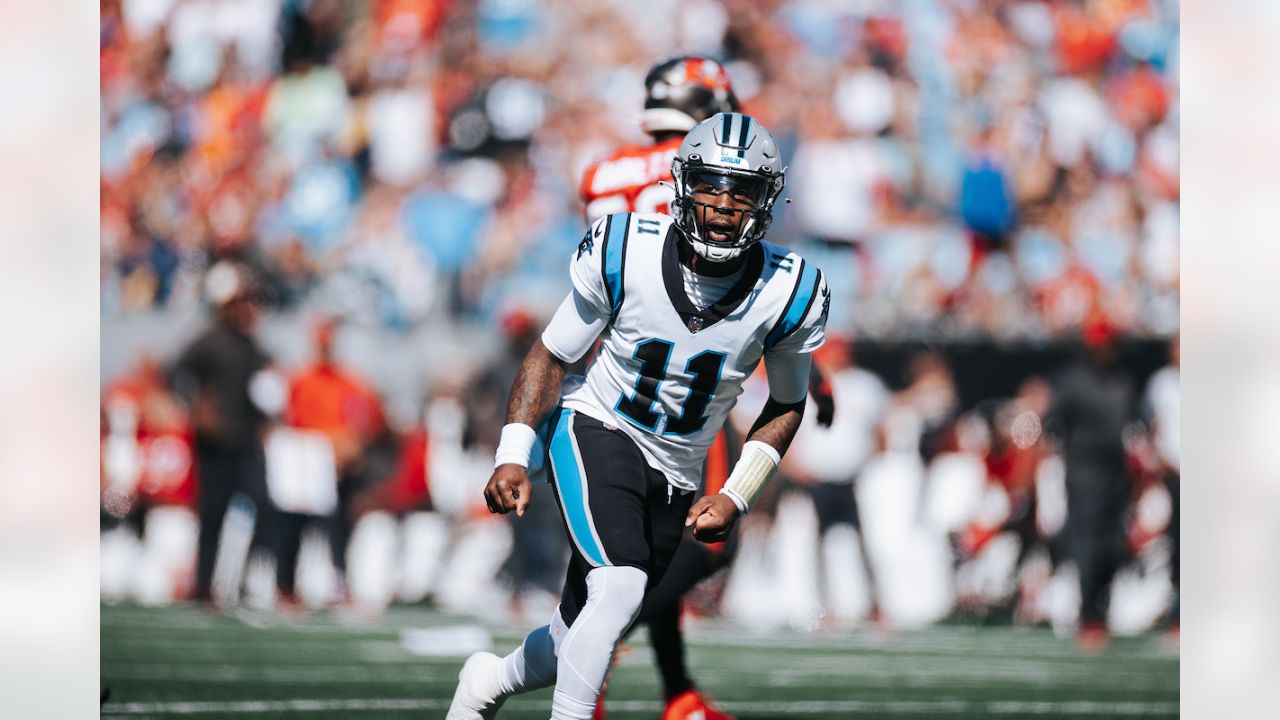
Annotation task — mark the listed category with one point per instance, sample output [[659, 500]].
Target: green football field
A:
[[186, 662]]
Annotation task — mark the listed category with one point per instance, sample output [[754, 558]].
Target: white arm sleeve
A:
[[788, 376], [575, 326]]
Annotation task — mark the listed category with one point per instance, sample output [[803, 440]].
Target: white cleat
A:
[[477, 695]]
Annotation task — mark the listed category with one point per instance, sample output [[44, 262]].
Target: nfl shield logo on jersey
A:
[[696, 323]]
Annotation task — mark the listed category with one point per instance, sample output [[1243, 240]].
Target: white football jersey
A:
[[667, 373]]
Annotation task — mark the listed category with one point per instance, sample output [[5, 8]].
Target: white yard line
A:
[[811, 707], [950, 676]]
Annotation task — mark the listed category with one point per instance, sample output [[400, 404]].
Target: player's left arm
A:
[[788, 366], [713, 516]]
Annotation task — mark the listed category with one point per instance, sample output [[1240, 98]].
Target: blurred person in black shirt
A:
[[1094, 398], [219, 373]]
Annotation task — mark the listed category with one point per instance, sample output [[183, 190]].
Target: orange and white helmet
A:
[[681, 92]]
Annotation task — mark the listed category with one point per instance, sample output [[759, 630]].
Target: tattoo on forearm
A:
[[536, 388], [777, 424]]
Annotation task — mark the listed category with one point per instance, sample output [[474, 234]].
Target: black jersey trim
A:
[[695, 319], [604, 260]]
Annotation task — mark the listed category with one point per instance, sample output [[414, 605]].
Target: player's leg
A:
[[835, 507], [1174, 482], [692, 563], [601, 482], [864, 552], [289, 542], [252, 476], [339, 525], [214, 496], [1096, 506], [486, 680], [607, 494]]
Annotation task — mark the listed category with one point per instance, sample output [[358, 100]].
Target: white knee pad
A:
[[614, 595]]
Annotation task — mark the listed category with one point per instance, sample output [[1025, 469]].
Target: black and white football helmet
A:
[[731, 153]]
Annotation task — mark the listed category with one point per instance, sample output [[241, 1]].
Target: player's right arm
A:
[[536, 390], [533, 396]]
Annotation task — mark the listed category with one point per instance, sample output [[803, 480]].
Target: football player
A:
[[680, 92], [686, 306]]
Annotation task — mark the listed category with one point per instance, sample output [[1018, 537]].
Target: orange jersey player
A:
[[633, 179], [679, 93]]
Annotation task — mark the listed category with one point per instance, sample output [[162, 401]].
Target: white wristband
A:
[[758, 463], [515, 445]]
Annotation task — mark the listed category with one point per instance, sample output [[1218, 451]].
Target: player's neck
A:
[[703, 266]]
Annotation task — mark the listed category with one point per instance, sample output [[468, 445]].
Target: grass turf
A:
[[188, 663]]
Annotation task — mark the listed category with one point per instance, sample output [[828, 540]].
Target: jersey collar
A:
[[695, 319]]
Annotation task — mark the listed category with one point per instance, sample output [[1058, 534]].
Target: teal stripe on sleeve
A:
[[615, 258], [801, 299]]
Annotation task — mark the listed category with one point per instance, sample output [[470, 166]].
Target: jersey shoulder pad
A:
[[598, 265], [808, 299], [777, 256]]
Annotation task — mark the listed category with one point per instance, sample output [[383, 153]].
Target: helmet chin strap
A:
[[719, 253], [707, 259], [714, 254]]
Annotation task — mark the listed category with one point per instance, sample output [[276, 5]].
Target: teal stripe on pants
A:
[[571, 483]]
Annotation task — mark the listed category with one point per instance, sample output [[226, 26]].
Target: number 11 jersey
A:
[[667, 372]]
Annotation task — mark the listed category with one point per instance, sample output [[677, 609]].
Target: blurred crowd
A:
[[1057, 505], [1001, 168], [990, 169]]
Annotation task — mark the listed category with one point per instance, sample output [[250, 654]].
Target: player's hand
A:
[[508, 489], [712, 518]]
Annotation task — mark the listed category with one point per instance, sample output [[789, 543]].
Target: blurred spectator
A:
[[827, 462], [986, 202], [445, 219], [142, 404], [307, 105], [930, 396], [1014, 461], [1164, 407], [332, 401], [1093, 401], [221, 374]]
